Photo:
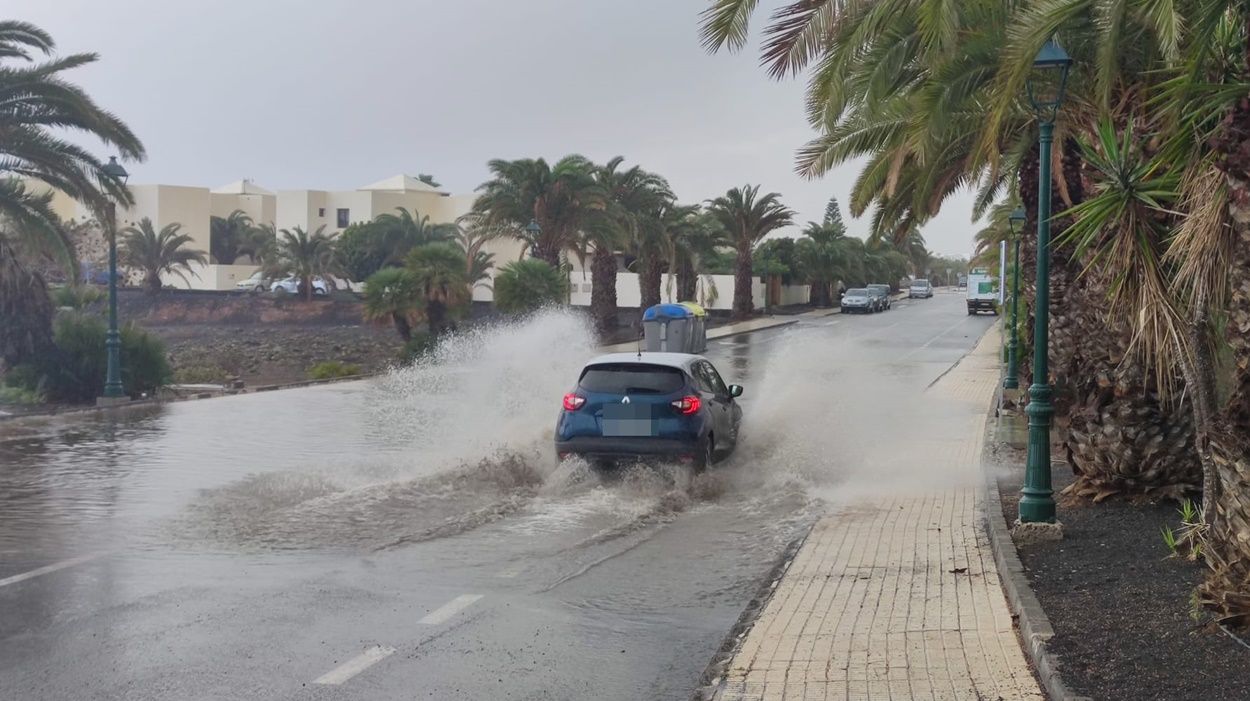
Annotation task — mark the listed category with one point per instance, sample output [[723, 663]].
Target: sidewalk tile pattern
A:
[[898, 597]]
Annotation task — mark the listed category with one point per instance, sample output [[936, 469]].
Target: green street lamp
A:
[[532, 231], [1045, 87], [1015, 221], [113, 390]]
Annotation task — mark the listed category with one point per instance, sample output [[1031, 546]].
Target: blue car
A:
[[639, 406]]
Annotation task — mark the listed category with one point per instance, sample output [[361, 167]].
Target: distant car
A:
[[920, 289], [882, 294], [256, 283], [639, 406], [858, 301], [290, 285]]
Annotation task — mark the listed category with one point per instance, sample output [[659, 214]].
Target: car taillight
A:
[[573, 402], [687, 405]]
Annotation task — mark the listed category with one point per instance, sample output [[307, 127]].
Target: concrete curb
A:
[[1034, 627], [712, 681]]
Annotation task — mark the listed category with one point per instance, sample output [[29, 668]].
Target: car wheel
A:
[[704, 458], [258, 289], [319, 292], [280, 290]]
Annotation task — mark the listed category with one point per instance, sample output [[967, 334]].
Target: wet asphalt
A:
[[364, 541]]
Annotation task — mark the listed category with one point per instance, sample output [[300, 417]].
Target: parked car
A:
[[639, 406], [920, 289], [290, 285], [256, 283], [882, 294], [858, 301]]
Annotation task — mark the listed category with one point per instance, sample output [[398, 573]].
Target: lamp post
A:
[[532, 231], [1045, 86], [113, 391], [1015, 221]]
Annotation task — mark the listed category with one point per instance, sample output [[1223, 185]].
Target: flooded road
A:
[[412, 536]]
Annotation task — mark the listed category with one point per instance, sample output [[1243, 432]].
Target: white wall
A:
[[713, 291], [795, 294], [261, 208]]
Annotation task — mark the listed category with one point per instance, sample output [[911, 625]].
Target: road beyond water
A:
[[409, 537]]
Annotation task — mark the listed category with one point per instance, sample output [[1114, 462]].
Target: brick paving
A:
[[897, 597]]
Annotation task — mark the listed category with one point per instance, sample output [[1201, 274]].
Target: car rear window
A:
[[632, 378]]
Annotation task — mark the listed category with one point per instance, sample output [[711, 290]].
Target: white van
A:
[[982, 292]]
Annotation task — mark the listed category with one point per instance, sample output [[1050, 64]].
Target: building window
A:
[[321, 211], [343, 215]]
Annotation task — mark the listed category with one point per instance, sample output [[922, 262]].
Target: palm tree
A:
[[472, 234], [437, 270], [633, 199], [35, 101], [655, 244], [559, 199], [307, 256], [391, 295], [407, 230], [747, 218], [694, 242], [155, 253], [230, 236], [526, 286], [824, 256]]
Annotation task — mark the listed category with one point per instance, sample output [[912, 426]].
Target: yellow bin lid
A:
[[698, 311]]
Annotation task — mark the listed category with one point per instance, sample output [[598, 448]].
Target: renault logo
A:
[[625, 400]]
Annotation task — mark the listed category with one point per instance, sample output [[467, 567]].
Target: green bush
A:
[[25, 377], [145, 365], [77, 374], [331, 369], [76, 296], [420, 344], [528, 285], [20, 395]]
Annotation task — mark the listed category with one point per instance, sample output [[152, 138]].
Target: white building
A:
[[193, 208]]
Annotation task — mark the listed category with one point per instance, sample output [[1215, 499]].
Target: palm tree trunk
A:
[[402, 326], [744, 303], [307, 284], [687, 281], [603, 290], [1227, 588], [25, 312], [649, 281], [152, 280], [436, 316], [547, 254]]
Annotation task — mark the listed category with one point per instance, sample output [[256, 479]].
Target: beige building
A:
[[193, 208]]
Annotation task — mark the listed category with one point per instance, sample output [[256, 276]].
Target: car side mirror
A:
[[735, 390]]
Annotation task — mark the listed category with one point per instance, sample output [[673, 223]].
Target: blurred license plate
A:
[[628, 427], [627, 420]]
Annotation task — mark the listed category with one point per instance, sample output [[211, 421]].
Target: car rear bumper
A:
[[981, 304], [626, 447]]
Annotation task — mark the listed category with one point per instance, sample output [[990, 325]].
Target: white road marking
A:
[[449, 609], [47, 569], [510, 572], [356, 665]]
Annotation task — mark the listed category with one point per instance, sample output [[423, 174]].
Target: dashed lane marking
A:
[[48, 569], [356, 665], [449, 609]]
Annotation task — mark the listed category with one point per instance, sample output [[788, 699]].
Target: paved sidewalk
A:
[[897, 597]]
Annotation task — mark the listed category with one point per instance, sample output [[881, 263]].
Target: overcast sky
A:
[[335, 95]]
